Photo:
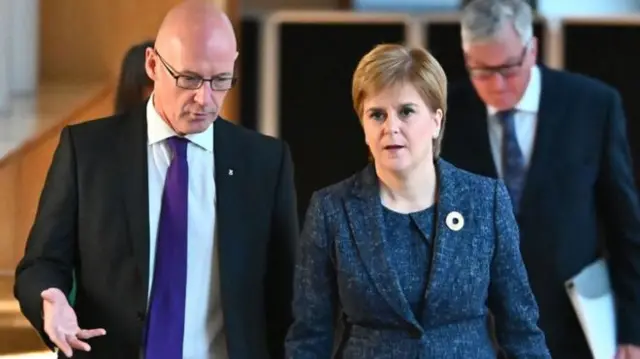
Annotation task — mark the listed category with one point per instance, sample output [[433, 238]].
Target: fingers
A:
[[90, 333], [58, 338], [68, 342], [76, 343], [60, 341]]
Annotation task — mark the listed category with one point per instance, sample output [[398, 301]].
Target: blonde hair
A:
[[390, 64]]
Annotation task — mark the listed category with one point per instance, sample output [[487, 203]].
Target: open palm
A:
[[61, 323]]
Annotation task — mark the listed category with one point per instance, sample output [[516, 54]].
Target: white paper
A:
[[592, 298]]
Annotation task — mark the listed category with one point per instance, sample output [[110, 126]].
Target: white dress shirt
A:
[[203, 329], [526, 122]]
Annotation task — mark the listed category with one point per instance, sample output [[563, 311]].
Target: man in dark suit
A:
[[179, 225], [558, 141]]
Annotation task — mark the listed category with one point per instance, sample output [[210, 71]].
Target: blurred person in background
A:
[[558, 140], [134, 85], [180, 226], [408, 254]]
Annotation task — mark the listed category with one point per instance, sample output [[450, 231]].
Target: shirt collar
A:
[[530, 101], [158, 130]]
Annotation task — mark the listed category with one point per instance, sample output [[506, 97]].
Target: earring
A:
[[436, 134]]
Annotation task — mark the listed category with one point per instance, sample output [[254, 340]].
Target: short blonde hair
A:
[[390, 64]]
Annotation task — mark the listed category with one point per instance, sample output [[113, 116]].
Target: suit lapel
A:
[[231, 179], [364, 213], [550, 114], [132, 152], [450, 191]]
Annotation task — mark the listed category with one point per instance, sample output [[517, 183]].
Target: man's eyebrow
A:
[[509, 61], [189, 73], [195, 74], [225, 74]]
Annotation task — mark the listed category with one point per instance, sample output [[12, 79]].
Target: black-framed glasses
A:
[[194, 82], [505, 71]]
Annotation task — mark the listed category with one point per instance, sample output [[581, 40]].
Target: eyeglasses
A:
[[194, 82], [505, 71]]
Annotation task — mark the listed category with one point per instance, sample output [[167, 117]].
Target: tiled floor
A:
[[31, 115]]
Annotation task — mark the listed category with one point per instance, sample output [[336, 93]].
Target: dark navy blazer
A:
[[343, 273], [579, 202]]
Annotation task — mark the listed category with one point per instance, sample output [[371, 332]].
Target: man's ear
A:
[[150, 62]]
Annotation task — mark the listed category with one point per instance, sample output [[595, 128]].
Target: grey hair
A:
[[484, 20]]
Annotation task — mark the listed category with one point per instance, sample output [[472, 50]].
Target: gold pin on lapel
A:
[[230, 172], [455, 221]]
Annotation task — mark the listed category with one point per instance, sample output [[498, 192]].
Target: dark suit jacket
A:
[[342, 265], [93, 217], [580, 183]]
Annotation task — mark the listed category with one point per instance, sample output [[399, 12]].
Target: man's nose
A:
[[205, 95], [496, 81]]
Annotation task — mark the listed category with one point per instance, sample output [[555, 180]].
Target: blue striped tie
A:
[[513, 166]]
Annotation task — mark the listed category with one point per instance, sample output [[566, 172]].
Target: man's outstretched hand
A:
[[61, 323]]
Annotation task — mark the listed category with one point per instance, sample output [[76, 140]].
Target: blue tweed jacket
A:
[[342, 273]]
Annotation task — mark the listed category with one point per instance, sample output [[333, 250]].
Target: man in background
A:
[[558, 141], [180, 226]]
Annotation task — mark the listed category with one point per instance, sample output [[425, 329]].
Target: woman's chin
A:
[[396, 165]]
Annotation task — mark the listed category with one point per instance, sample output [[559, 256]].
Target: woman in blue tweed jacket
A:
[[408, 256]]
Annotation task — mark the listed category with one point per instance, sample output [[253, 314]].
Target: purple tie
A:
[[165, 324]]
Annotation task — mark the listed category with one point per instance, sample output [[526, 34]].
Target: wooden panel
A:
[[8, 175], [231, 108], [85, 40]]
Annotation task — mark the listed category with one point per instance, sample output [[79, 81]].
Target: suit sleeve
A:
[[618, 198], [510, 297], [281, 253], [50, 250], [315, 294]]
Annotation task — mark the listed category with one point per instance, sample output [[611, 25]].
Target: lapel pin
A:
[[230, 172], [455, 221]]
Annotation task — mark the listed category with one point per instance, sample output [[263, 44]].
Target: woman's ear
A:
[[437, 119]]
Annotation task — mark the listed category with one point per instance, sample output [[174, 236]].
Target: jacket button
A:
[[140, 316]]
